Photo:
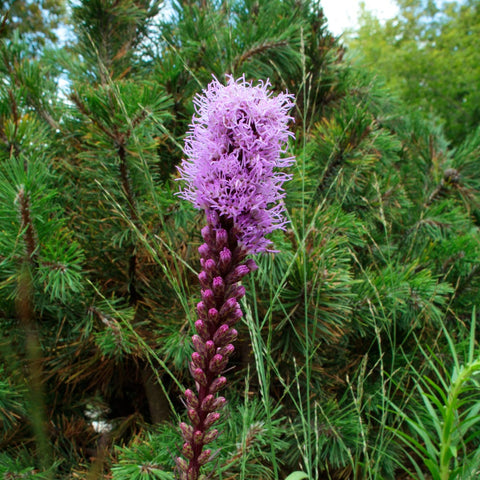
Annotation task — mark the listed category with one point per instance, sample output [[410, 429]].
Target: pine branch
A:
[[257, 50], [83, 109], [126, 183], [451, 177], [127, 188], [254, 431], [465, 282], [26, 315], [27, 225], [14, 149], [44, 114], [3, 25]]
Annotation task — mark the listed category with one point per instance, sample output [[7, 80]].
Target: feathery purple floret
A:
[[234, 149]]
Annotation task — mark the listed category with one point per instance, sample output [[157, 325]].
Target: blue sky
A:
[[343, 14]]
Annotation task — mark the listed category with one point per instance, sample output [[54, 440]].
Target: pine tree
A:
[[41, 262], [35, 22], [99, 259]]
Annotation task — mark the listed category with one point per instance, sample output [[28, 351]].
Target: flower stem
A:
[[223, 266]]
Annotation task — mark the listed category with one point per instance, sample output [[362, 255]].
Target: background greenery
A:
[[358, 357]]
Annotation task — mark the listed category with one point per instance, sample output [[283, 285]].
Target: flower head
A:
[[233, 151]]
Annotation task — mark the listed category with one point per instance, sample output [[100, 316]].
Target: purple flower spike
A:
[[233, 152]]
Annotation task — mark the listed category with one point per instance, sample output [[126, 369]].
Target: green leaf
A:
[[297, 476]]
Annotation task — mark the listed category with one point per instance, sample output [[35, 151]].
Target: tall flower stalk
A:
[[234, 155]]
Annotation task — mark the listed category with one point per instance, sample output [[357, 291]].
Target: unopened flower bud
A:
[[217, 358], [206, 233], [210, 436], [251, 264], [197, 437], [201, 310], [204, 457], [217, 363], [227, 350], [193, 416], [192, 474], [213, 315], [202, 329], [209, 348], [233, 317], [198, 361], [218, 286], [210, 419], [187, 450], [229, 305], [221, 238], [225, 337], [192, 400], [207, 404], [182, 464], [204, 250], [220, 333], [239, 272], [238, 292], [208, 298], [204, 279], [210, 266], [217, 385], [225, 259], [198, 344], [199, 376], [187, 431], [212, 219], [219, 403]]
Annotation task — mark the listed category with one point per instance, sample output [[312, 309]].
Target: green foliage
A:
[[334, 436], [251, 432], [332, 376], [35, 21], [297, 476], [12, 407], [109, 33], [416, 52], [443, 414], [147, 457], [244, 450], [20, 467]]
